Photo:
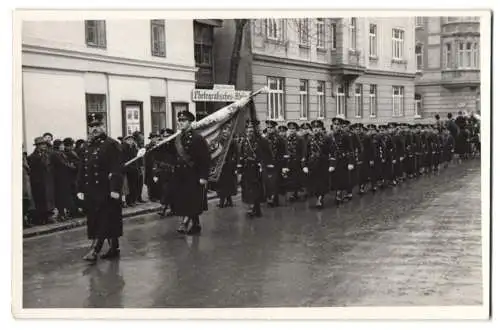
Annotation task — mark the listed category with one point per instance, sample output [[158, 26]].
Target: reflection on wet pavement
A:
[[415, 244]]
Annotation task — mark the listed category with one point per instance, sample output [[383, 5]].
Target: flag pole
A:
[[195, 124]]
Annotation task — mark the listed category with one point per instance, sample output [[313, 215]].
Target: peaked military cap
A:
[[306, 126], [271, 123], [337, 121], [185, 115], [371, 126], [292, 124], [68, 142], [153, 135], [252, 123], [48, 134], [57, 143], [282, 128], [317, 124], [94, 119]]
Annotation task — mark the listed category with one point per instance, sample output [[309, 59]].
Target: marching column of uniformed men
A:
[[296, 161]]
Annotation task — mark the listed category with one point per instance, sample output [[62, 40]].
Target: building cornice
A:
[[324, 66], [212, 22], [74, 54]]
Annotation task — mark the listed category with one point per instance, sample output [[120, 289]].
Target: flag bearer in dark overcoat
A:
[[42, 180], [318, 162], [227, 185], [272, 172], [294, 156], [190, 177], [99, 184], [254, 155]]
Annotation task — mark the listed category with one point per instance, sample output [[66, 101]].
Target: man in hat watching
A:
[[190, 177], [100, 184], [42, 181], [151, 167]]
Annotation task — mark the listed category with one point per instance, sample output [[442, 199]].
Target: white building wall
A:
[[59, 69]]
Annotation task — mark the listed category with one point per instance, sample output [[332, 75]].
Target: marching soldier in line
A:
[[417, 149], [283, 133], [190, 177], [448, 147], [376, 173], [99, 184], [254, 155], [400, 152], [294, 157], [368, 158], [389, 157], [351, 151], [340, 176], [318, 162], [272, 171], [166, 158], [305, 133]]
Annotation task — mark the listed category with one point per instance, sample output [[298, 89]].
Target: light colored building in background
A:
[[138, 73], [359, 68], [448, 76]]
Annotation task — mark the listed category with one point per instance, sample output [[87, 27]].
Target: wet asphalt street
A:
[[417, 244]]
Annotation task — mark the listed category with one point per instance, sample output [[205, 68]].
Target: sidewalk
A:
[[140, 209]]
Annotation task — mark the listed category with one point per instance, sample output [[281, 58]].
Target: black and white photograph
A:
[[270, 163]]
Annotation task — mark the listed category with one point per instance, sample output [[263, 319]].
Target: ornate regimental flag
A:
[[218, 129]]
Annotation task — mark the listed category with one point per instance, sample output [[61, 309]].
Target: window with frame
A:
[[352, 32], [96, 103], [358, 100], [158, 37], [304, 99], [419, 21], [95, 33], [203, 54], [320, 92], [275, 98], [320, 32], [397, 44], [397, 101], [468, 55], [333, 28], [373, 101], [274, 29], [158, 113], [340, 100], [418, 105], [475, 55], [461, 54], [419, 57], [303, 31], [447, 56], [373, 40]]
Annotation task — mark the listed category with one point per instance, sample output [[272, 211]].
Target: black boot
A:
[[183, 227], [194, 228], [93, 254], [114, 249], [229, 202], [221, 203]]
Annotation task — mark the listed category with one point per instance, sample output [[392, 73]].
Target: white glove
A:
[[155, 179], [80, 196], [394, 162], [203, 182], [141, 152], [371, 162], [270, 166], [114, 195], [350, 167], [401, 159], [284, 170], [331, 169], [305, 170]]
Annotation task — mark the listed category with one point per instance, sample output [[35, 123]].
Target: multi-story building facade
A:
[[204, 61], [448, 65], [359, 68], [137, 73]]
